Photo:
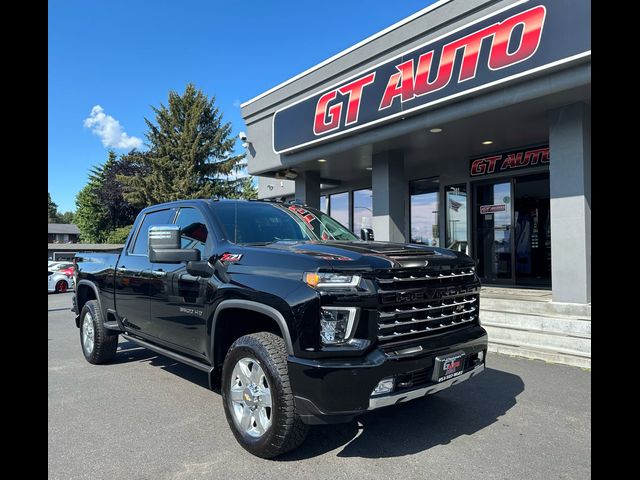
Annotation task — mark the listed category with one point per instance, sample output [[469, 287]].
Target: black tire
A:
[[61, 286], [286, 431], [105, 341]]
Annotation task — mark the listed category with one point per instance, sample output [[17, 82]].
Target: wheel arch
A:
[[255, 309], [85, 291]]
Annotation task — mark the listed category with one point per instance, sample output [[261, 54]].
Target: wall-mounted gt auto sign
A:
[[502, 46]]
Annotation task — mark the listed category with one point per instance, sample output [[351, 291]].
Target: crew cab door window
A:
[[160, 217], [193, 231]]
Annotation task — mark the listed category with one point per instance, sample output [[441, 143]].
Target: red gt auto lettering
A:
[[484, 165], [532, 21], [532, 157], [353, 91], [403, 83], [333, 113], [506, 161]]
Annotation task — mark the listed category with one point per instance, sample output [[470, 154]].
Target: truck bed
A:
[[99, 269]]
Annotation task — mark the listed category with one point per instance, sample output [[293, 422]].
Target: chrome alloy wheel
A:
[[250, 398], [87, 333]]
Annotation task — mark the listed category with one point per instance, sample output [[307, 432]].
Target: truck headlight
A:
[[336, 324], [331, 280]]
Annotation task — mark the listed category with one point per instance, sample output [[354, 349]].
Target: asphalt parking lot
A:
[[147, 417]]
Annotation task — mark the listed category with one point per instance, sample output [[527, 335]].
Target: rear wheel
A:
[[61, 286], [257, 397], [99, 344]]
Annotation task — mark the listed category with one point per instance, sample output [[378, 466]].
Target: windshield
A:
[[257, 223], [322, 225], [60, 266]]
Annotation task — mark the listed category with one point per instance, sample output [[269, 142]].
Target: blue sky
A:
[[126, 56]]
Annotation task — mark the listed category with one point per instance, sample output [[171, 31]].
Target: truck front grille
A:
[[420, 302]]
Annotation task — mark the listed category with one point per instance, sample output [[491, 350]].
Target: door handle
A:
[[158, 273]]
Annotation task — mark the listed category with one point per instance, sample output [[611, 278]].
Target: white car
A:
[[59, 282], [55, 266]]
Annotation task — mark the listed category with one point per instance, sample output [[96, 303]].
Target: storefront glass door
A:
[[532, 231], [494, 232]]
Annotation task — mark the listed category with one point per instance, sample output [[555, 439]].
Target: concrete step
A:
[[574, 310], [535, 340], [539, 354], [557, 325]]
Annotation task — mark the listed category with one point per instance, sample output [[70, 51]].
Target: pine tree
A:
[[91, 216], [53, 210], [190, 153]]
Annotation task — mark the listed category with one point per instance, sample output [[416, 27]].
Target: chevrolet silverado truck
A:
[[295, 320]]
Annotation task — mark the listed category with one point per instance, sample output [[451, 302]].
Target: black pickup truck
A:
[[296, 320]]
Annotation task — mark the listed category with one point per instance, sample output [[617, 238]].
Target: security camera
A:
[[242, 136]]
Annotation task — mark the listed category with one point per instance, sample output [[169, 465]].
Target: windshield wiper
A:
[[275, 240]]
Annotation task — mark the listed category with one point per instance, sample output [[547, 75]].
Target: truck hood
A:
[[348, 255]]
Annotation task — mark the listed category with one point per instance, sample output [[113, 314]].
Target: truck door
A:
[[178, 299], [133, 275]]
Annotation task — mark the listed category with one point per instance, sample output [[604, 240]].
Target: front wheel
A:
[[257, 397]]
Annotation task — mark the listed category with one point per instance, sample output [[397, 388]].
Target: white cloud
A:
[[109, 130]]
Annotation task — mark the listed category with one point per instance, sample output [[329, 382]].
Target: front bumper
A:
[[334, 391]]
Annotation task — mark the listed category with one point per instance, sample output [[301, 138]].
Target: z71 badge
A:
[[231, 257]]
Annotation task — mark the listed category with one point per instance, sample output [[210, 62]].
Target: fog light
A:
[[480, 356], [384, 386], [336, 324]]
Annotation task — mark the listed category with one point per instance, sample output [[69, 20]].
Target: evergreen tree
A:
[[53, 210], [91, 216], [190, 153], [244, 189]]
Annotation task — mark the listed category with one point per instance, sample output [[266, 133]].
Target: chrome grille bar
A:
[[395, 335], [413, 278], [428, 308], [413, 321]]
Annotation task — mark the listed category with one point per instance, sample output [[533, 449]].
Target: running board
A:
[[168, 353]]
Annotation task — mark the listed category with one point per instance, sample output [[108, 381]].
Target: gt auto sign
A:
[[503, 162], [520, 39]]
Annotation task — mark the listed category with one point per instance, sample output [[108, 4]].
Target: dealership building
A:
[[465, 126]]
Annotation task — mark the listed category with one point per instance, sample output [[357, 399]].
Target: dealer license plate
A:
[[448, 366]]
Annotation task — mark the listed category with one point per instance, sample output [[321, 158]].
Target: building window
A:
[[324, 204], [456, 218], [339, 207], [362, 210], [424, 211]]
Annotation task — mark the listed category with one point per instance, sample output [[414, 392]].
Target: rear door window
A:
[[159, 217], [193, 230]]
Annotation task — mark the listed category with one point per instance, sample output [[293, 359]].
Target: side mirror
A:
[[164, 246], [366, 234]]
